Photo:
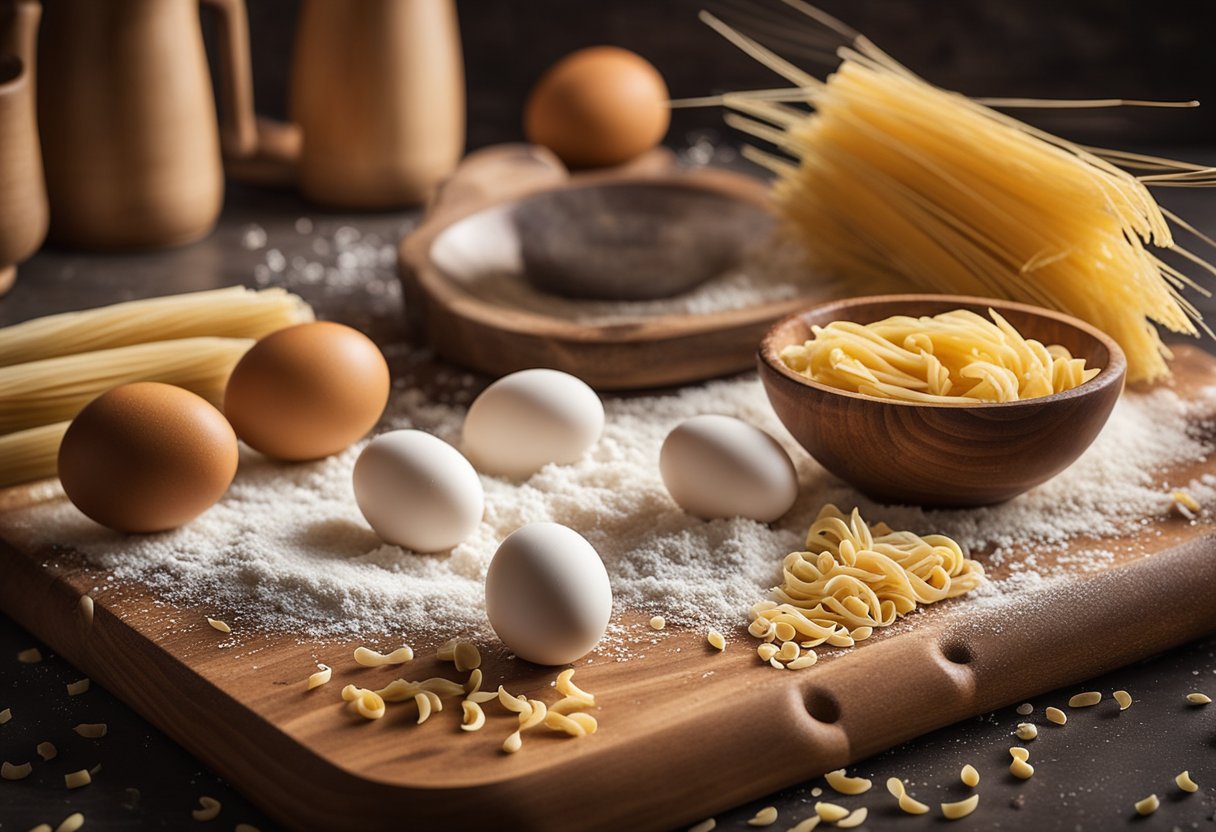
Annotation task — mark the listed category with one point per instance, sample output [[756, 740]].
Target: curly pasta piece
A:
[[371, 658], [844, 784]]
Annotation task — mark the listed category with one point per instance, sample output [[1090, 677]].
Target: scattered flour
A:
[[287, 549]]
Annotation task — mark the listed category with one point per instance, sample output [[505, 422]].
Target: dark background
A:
[[1160, 49]]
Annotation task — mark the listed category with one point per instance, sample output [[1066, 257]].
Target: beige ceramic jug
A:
[[129, 130], [377, 91], [23, 211]]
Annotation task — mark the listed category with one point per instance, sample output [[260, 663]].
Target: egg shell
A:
[[417, 491], [147, 457], [528, 419], [307, 391], [597, 107], [547, 594], [718, 466]]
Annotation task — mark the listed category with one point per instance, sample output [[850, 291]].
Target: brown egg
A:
[[147, 457], [307, 391], [597, 107]]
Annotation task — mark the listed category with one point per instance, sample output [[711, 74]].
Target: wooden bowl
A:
[[943, 455]]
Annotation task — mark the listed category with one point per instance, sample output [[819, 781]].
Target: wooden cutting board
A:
[[685, 732]]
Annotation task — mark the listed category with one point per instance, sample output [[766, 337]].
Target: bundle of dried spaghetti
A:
[[892, 176], [957, 357], [235, 312], [54, 389], [853, 576], [30, 454]]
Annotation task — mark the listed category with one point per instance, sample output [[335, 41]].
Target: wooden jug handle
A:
[[256, 149]]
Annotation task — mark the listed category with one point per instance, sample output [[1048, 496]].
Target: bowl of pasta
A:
[[941, 400]]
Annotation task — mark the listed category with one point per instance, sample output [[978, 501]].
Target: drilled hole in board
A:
[[822, 706], [958, 652]]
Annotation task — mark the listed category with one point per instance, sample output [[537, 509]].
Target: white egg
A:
[[547, 594], [417, 491], [718, 466], [528, 419]]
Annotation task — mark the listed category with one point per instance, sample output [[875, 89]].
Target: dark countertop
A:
[[1088, 773]]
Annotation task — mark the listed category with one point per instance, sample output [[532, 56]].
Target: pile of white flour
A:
[[287, 549]]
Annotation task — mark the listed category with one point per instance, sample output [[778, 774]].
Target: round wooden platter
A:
[[653, 351]]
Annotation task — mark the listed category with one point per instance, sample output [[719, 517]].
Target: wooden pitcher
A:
[[23, 210], [377, 91], [129, 131]]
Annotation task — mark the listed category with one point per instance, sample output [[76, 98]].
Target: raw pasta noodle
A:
[[844, 784], [895, 182], [30, 454], [853, 575], [371, 658], [235, 312], [957, 357], [54, 389]]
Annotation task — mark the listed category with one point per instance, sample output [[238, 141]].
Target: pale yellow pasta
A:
[[515, 704], [1019, 753], [31, 454], [765, 817], [716, 640], [854, 819], [566, 687], [481, 697], [234, 312], [788, 652], [1085, 700], [855, 576], [474, 717], [587, 722], [1184, 782], [767, 651], [371, 658], [428, 703], [466, 656], [844, 784], [1021, 769], [368, 703], [568, 704], [957, 357], [446, 652], [76, 779], [960, 808], [6, 715], [806, 825], [216, 624], [512, 743], [1056, 715], [56, 389], [970, 776], [10, 771], [804, 661], [1198, 698], [71, 823], [1185, 500], [561, 722], [1148, 805], [473, 683], [897, 183], [78, 687], [209, 809], [321, 677], [403, 690], [31, 655], [707, 825], [1027, 731], [1124, 699], [831, 812], [535, 717], [657, 622], [91, 730], [47, 751]]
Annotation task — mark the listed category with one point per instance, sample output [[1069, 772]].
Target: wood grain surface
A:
[[491, 338], [684, 731], [926, 454]]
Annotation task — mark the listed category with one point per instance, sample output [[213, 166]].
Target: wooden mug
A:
[[129, 131], [23, 208], [377, 105]]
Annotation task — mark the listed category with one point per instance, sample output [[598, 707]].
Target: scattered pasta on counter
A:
[[30, 656], [6, 715], [707, 825], [1184, 782], [371, 658], [1085, 700], [1148, 805], [716, 640], [844, 784], [321, 677], [210, 809], [10, 771], [72, 823], [658, 622], [1025, 709], [961, 808], [1198, 698], [474, 717], [78, 687], [907, 803], [466, 656], [1056, 716], [765, 817], [91, 730], [216, 624], [854, 819], [970, 776], [47, 751], [1027, 731], [76, 779], [1124, 699]]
